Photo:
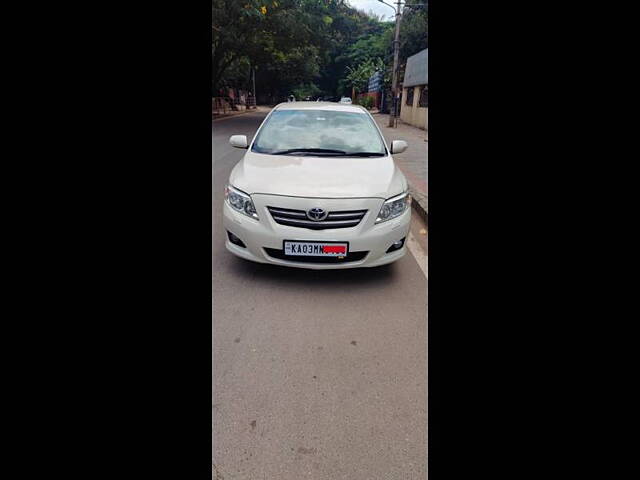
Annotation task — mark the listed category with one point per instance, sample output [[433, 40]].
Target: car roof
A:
[[340, 107]]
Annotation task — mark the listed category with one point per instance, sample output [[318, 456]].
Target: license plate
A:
[[316, 249]]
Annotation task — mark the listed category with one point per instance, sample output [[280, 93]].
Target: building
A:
[[415, 90]]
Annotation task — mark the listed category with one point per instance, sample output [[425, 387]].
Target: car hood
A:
[[321, 177]]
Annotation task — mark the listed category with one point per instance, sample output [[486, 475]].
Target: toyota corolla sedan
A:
[[318, 189]]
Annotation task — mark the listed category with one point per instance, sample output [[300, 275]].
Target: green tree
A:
[[413, 32], [234, 24], [358, 78], [305, 45], [306, 90]]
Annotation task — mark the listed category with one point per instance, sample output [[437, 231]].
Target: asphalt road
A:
[[316, 374]]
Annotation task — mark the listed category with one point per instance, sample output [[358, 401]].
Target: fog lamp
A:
[[396, 246]]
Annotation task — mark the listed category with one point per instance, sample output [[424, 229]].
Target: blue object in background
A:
[[375, 82]]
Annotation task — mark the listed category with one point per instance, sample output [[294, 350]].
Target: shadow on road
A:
[[285, 276]]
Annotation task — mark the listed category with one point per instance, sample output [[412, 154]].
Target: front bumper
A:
[[365, 237]]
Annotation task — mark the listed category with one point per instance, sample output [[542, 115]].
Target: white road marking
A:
[[418, 253]]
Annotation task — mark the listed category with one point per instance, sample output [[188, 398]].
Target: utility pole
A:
[[255, 99], [396, 53], [394, 79]]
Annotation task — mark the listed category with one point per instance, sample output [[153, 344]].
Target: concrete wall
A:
[[414, 115]]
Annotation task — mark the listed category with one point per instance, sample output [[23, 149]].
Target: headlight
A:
[[394, 207], [240, 201]]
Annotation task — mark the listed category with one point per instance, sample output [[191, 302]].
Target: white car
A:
[[318, 189], [346, 100]]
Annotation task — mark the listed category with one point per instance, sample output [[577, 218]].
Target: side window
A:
[[424, 97], [409, 101]]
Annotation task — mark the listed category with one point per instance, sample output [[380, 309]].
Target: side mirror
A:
[[398, 146], [239, 141]]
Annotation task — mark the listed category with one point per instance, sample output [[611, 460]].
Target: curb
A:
[[215, 119], [420, 203]]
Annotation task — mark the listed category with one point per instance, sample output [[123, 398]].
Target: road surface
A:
[[316, 374]]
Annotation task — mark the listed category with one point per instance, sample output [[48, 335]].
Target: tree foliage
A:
[[311, 47], [358, 78], [413, 32]]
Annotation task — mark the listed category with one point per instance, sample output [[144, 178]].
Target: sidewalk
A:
[[413, 161], [233, 113]]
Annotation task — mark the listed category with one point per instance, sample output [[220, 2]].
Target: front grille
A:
[[350, 257], [298, 218]]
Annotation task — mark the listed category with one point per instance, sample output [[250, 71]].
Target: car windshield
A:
[[319, 133]]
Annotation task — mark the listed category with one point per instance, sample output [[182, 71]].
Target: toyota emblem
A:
[[317, 214]]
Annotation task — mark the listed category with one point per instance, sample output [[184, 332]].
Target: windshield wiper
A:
[[364, 154], [329, 153], [307, 150]]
